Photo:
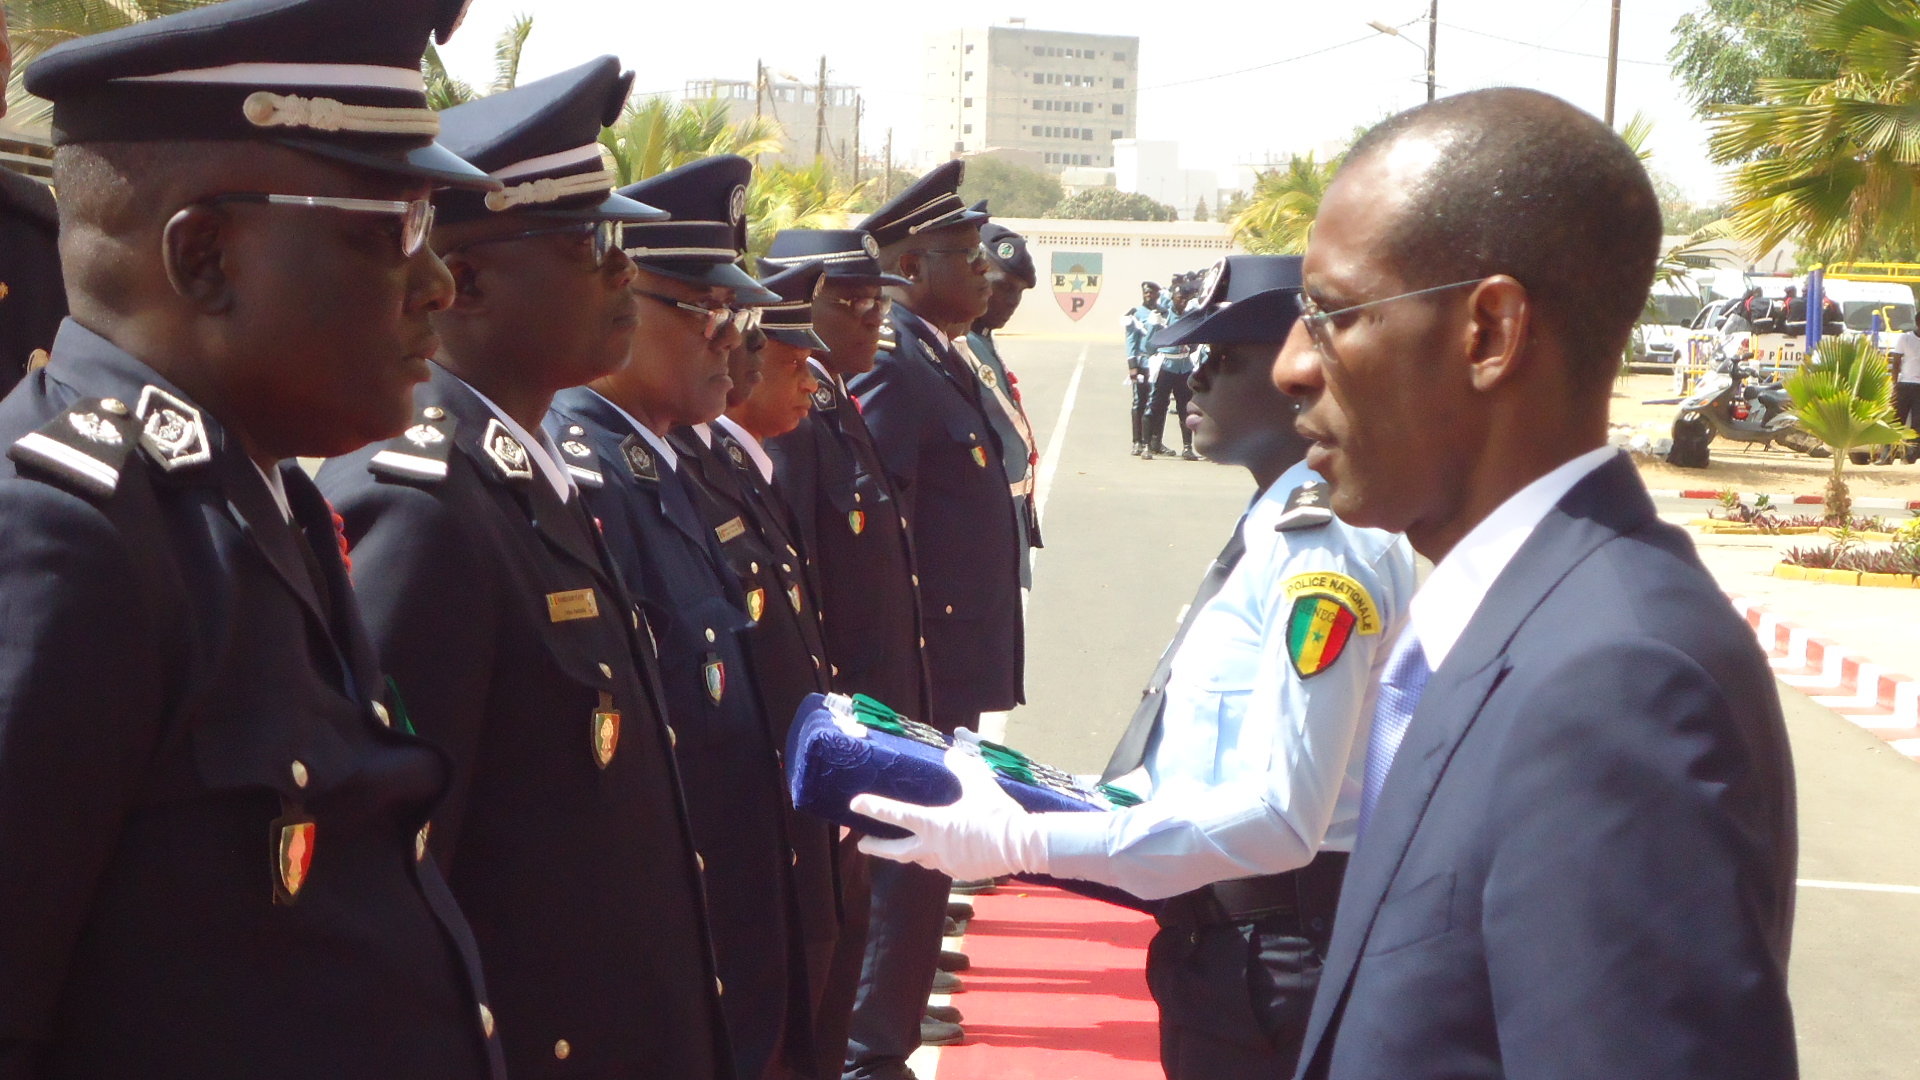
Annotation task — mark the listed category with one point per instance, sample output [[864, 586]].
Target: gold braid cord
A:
[[550, 189], [266, 109]]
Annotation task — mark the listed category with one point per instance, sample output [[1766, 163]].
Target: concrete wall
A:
[[1128, 252]]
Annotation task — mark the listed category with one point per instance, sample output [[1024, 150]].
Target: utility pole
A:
[[858, 108], [759, 86], [1433, 42], [1613, 61], [820, 115], [886, 182]]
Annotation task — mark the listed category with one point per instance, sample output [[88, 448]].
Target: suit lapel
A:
[[258, 515], [912, 332], [1605, 504]]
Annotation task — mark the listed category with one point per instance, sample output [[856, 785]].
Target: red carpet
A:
[[1057, 991]]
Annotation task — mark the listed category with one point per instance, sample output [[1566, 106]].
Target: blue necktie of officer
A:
[[1400, 689]]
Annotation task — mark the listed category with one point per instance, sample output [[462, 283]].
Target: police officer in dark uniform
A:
[[1010, 274], [928, 409], [209, 801], [732, 483], [502, 619], [691, 299], [850, 525]]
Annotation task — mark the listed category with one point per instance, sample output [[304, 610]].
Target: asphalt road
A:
[[1128, 540]]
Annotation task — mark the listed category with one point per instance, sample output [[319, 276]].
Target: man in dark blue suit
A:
[[503, 619], [1577, 846]]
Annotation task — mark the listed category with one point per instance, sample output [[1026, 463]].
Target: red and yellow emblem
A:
[[980, 456], [293, 858], [756, 603], [606, 731], [857, 521], [715, 673], [1327, 611]]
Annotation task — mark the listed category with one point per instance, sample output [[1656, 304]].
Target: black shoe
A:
[[959, 910], [946, 1014], [954, 961], [980, 887], [1189, 455], [1160, 448], [950, 928], [946, 982], [1137, 447], [940, 1033]]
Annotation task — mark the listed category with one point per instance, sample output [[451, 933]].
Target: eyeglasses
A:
[[977, 253], [717, 316], [860, 305], [607, 237], [1319, 322], [416, 216]]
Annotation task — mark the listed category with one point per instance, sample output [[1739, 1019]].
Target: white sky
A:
[[1289, 107]]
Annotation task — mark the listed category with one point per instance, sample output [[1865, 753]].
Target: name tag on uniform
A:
[[729, 529], [575, 604]]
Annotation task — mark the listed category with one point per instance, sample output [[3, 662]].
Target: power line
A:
[[1550, 48], [1260, 67]]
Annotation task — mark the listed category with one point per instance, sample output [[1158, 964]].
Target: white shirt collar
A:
[[1444, 606], [277, 487], [540, 448], [705, 432], [944, 339], [659, 444], [754, 450]]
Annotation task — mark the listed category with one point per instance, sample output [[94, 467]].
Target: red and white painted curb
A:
[[1797, 500], [1884, 702]]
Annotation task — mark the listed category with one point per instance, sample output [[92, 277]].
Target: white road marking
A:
[[1860, 886], [993, 725]]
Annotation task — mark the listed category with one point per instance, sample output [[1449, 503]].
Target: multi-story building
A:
[[795, 104], [1064, 96]]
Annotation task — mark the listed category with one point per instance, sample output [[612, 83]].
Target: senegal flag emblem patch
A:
[[1327, 611]]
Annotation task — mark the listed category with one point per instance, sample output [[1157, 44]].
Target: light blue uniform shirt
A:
[[1254, 768]]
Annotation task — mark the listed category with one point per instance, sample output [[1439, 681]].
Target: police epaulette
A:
[[888, 340], [579, 459], [1306, 508], [420, 453], [86, 446]]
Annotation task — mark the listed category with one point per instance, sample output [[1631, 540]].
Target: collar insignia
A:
[[639, 459], [507, 453], [738, 454], [823, 397], [171, 430]]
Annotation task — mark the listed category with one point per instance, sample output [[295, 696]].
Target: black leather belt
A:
[[1314, 889]]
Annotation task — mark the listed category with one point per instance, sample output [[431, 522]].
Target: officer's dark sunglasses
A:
[[606, 235], [416, 216]]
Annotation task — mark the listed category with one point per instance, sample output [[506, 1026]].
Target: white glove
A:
[[985, 834]]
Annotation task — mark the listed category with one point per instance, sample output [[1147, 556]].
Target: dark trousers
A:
[[834, 1010], [1234, 996], [1906, 405], [1142, 390], [1169, 385], [903, 951]]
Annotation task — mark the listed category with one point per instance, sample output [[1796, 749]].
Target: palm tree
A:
[[506, 53], [1279, 216], [38, 25], [1834, 163], [443, 90], [1843, 396], [785, 197], [657, 134]]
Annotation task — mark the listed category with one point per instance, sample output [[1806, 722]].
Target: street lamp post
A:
[[1433, 40]]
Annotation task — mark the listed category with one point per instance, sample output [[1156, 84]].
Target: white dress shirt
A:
[[1459, 582], [661, 448], [1254, 768], [752, 445], [540, 448]]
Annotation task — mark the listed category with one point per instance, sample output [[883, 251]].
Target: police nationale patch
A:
[[1326, 611], [606, 731]]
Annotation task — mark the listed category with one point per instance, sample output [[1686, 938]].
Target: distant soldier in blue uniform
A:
[[1010, 274], [210, 801], [851, 526], [503, 619], [1140, 324], [1167, 369], [1247, 729], [692, 315], [928, 408]]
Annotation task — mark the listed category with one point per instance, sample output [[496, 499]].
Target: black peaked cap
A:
[[542, 140], [338, 78], [707, 236], [931, 202], [1008, 250], [1250, 300], [791, 319], [851, 255]]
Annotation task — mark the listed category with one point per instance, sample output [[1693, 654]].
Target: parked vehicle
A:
[[1730, 402], [1661, 333]]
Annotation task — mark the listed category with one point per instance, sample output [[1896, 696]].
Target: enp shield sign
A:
[[1076, 281]]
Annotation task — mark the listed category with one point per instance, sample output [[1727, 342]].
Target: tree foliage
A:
[[784, 197], [1010, 190], [1843, 396], [506, 53], [1722, 52], [656, 134], [1110, 204], [35, 26], [1278, 217]]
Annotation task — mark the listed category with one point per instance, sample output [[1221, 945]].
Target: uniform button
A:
[[793, 857], [486, 1019], [709, 633], [434, 412], [785, 568], [971, 435], [949, 609], [606, 670], [636, 618], [835, 667], [420, 842], [753, 567], [856, 496], [299, 771], [114, 406], [916, 581], [575, 429], [561, 1049], [790, 550], [816, 663], [380, 714], [923, 643]]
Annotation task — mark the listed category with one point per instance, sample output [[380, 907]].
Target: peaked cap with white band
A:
[[338, 78], [851, 255], [929, 204], [790, 319], [542, 141], [707, 237]]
